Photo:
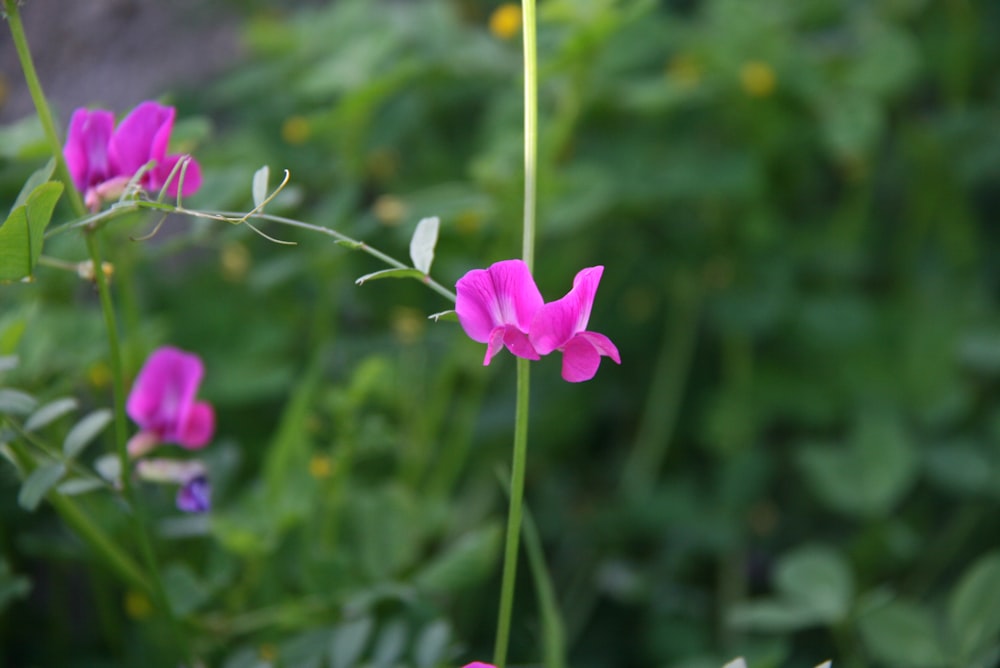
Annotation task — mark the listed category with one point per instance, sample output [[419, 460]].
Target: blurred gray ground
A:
[[115, 53]]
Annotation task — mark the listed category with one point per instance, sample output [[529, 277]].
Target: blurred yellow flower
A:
[[389, 209], [320, 467], [296, 130], [505, 21], [137, 606], [99, 375], [685, 70], [268, 652], [235, 260], [468, 222], [757, 78], [408, 324]]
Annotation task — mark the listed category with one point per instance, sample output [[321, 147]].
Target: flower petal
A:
[[142, 136], [199, 426], [518, 343], [163, 393], [479, 664], [503, 294], [602, 344], [557, 322], [86, 149], [164, 169], [195, 496], [580, 360]]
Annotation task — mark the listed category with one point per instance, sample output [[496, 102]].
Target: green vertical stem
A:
[[514, 514], [663, 402], [41, 104], [63, 504], [523, 369]]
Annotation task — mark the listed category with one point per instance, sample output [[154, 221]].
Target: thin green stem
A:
[[664, 398], [41, 103], [520, 456], [530, 130], [91, 534], [514, 514]]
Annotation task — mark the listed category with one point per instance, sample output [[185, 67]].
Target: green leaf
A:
[[422, 244], [974, 608], [40, 176], [390, 273], [49, 413], [869, 474], [467, 561], [819, 579], [260, 178], [447, 316], [185, 592], [390, 644], [11, 586], [8, 362], [16, 402], [432, 644], [902, 634], [85, 431], [349, 641], [76, 486], [772, 615], [22, 234], [38, 484]]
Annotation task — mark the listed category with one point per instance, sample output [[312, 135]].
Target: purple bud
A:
[[195, 496]]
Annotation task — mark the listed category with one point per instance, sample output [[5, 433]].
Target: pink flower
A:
[[495, 306], [162, 402], [562, 325], [102, 159], [479, 664]]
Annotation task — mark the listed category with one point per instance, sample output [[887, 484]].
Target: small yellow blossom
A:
[[408, 324], [99, 375], [382, 164], [85, 270], [268, 652], [389, 209], [320, 467], [296, 130], [758, 78], [137, 605], [235, 260], [505, 21], [685, 70], [468, 222]]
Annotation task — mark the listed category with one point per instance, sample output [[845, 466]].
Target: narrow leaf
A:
[[16, 402], [77, 486], [432, 644], [260, 179], [84, 431], [8, 362], [390, 273], [974, 607], [349, 641], [422, 244], [49, 413], [38, 484]]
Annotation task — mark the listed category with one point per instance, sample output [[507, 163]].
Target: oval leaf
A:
[[974, 608], [38, 484], [422, 244], [902, 634], [349, 641], [16, 402], [84, 431], [22, 234], [432, 644], [49, 413], [260, 179]]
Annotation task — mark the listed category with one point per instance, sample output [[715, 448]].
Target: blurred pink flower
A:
[[562, 325], [162, 402], [102, 159], [479, 664], [495, 306]]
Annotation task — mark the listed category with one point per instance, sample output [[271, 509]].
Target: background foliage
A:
[[797, 460]]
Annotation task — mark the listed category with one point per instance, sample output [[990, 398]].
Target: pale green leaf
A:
[[467, 561], [16, 402], [422, 243], [260, 179], [49, 413], [432, 644], [38, 484], [349, 641], [974, 607], [902, 634], [85, 431]]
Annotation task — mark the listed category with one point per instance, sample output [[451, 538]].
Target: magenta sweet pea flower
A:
[[479, 664], [102, 159], [562, 325], [496, 306], [162, 402]]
